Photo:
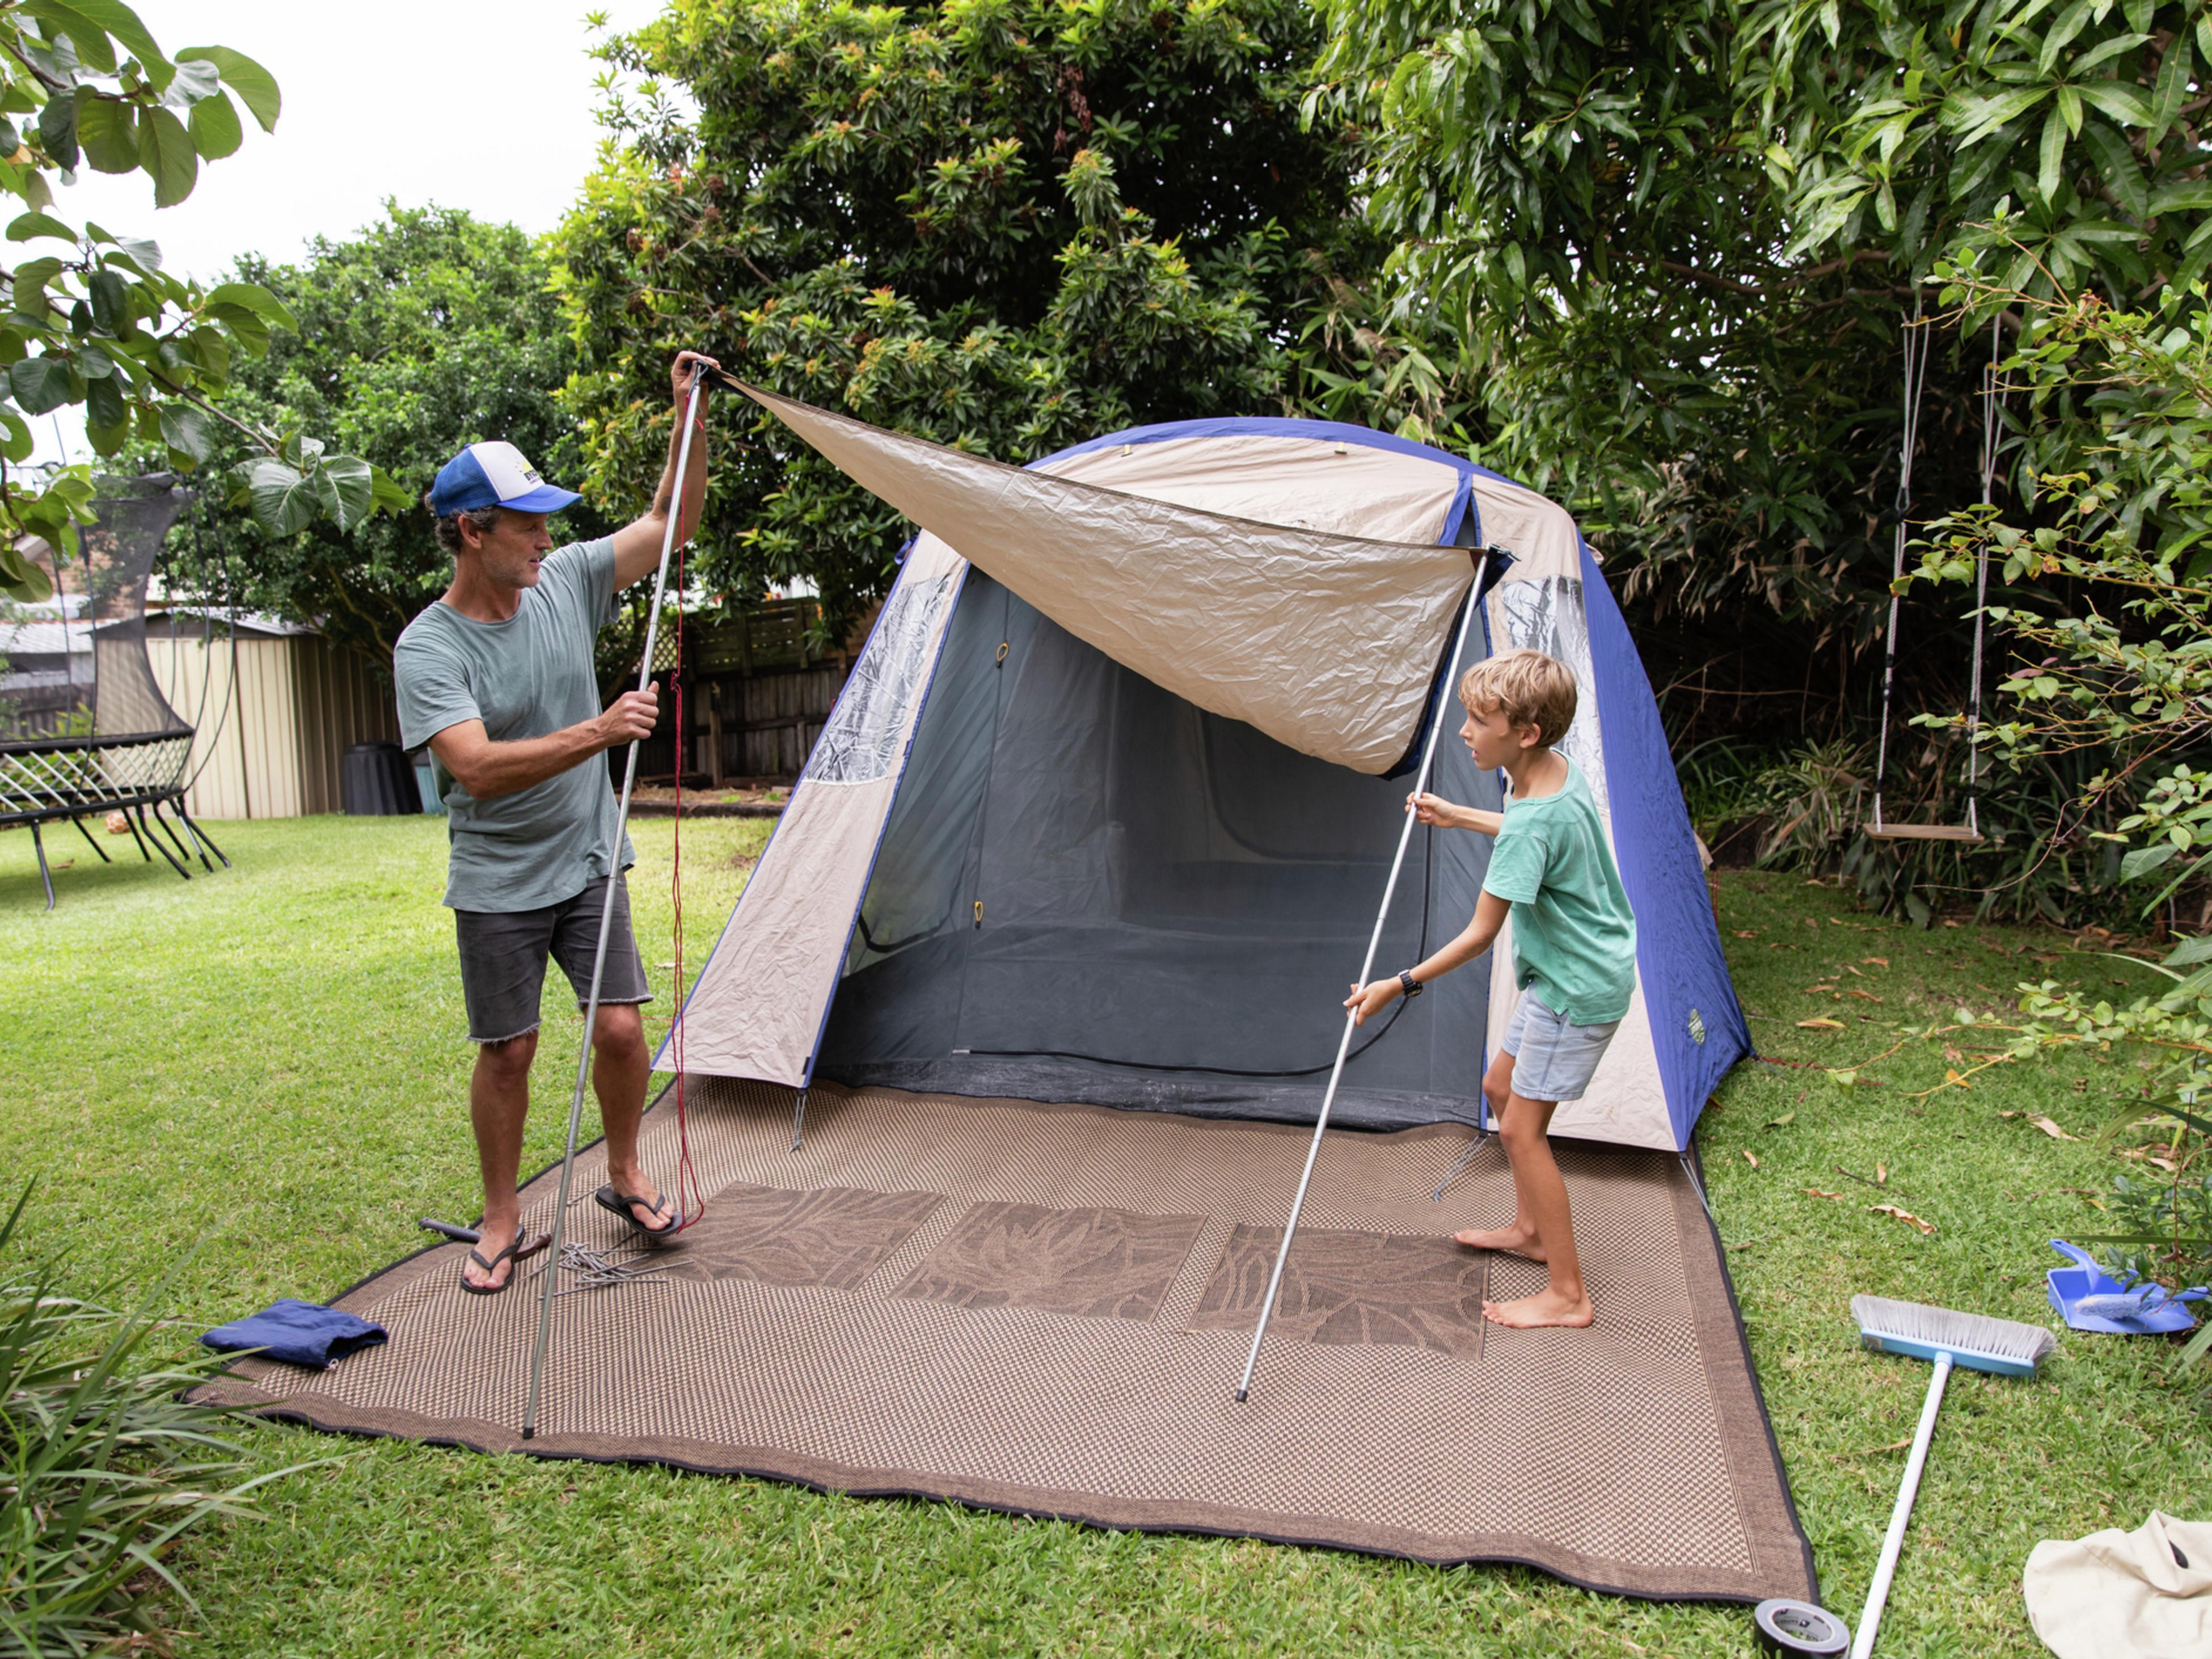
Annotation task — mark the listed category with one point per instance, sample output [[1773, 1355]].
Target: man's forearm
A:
[[489, 770], [695, 482]]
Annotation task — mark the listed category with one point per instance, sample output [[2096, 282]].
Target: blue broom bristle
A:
[[2002, 1345]]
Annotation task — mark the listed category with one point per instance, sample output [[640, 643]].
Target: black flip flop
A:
[[614, 1203], [521, 1250]]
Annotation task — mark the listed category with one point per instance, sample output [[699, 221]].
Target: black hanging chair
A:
[[84, 729]]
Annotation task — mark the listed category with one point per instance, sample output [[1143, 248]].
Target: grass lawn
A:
[[254, 1082]]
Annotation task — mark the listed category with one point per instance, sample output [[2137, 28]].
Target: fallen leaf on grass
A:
[[1850, 969], [1776, 1123], [1810, 989], [1863, 996], [2051, 1129], [1750, 1159], [1878, 962], [1950, 1053], [1815, 1192], [1950, 1075], [1821, 1025], [1746, 933], [1906, 1216]]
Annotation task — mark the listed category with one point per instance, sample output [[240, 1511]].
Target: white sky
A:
[[478, 104]]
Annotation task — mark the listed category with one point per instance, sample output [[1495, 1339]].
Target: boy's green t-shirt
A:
[[1574, 936]]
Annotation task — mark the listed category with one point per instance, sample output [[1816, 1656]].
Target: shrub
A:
[[103, 1466]]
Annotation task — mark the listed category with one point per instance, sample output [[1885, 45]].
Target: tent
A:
[[1107, 808]]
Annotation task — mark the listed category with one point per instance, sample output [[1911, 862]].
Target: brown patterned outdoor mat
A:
[[1045, 1308]]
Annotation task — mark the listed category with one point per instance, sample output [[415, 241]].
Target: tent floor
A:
[[1045, 1310]]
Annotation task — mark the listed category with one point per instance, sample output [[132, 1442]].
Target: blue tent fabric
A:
[[298, 1332], [1698, 1027]]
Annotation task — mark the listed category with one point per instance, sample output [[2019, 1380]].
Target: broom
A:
[[2001, 1345]]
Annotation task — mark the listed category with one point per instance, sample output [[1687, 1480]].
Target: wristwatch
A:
[[1411, 987]]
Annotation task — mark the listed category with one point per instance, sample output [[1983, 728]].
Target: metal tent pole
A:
[[1374, 943], [552, 1271]]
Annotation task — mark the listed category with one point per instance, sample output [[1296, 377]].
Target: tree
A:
[[2109, 610], [430, 331], [1667, 250], [99, 322], [1006, 225]]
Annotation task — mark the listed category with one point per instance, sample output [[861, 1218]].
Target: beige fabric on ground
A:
[[1045, 1310], [1326, 642], [2117, 1594]]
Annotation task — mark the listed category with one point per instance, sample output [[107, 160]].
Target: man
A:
[[498, 679]]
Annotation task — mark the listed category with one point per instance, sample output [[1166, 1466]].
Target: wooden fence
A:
[[756, 694]]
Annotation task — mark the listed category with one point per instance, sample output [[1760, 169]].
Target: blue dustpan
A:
[[2090, 1299]]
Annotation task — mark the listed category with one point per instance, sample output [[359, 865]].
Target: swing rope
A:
[[1917, 338]]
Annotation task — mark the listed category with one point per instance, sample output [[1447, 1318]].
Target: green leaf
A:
[[86, 36], [16, 447], [110, 292], [260, 300], [2191, 951], [2172, 86], [119, 20], [2054, 153], [192, 83], [187, 431], [349, 490], [2124, 104], [215, 127], [284, 501], [165, 150], [58, 132], [2144, 859], [252, 83], [108, 131], [41, 384], [390, 496], [26, 226], [104, 407]]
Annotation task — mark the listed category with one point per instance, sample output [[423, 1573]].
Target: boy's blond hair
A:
[[1531, 688]]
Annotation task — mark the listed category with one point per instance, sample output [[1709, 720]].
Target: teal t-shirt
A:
[[528, 676], [1574, 936]]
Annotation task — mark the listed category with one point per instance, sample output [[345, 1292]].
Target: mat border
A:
[[236, 1390]]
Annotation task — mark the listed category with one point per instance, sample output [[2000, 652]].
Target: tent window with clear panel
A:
[[85, 730], [1091, 889]]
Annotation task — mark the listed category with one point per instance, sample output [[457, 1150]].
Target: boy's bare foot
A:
[[1513, 1241], [1545, 1308]]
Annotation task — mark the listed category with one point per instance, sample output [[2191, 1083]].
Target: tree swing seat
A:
[[1916, 363], [1922, 832]]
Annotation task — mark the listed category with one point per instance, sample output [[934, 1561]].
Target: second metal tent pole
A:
[[552, 1273], [1366, 968]]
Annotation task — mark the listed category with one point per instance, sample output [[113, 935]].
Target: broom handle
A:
[[1893, 1543], [1374, 943]]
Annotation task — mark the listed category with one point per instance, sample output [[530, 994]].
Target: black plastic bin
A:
[[377, 779]]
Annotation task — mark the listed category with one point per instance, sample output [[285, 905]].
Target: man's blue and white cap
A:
[[494, 475]]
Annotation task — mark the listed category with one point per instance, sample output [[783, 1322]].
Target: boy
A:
[[1574, 955]]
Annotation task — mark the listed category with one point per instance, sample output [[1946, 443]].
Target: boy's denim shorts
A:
[[504, 953], [1552, 1059]]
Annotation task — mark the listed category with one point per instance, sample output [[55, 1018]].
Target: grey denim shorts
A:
[[503, 955], [1552, 1059]]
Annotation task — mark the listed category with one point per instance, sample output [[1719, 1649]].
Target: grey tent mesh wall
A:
[[1090, 889]]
